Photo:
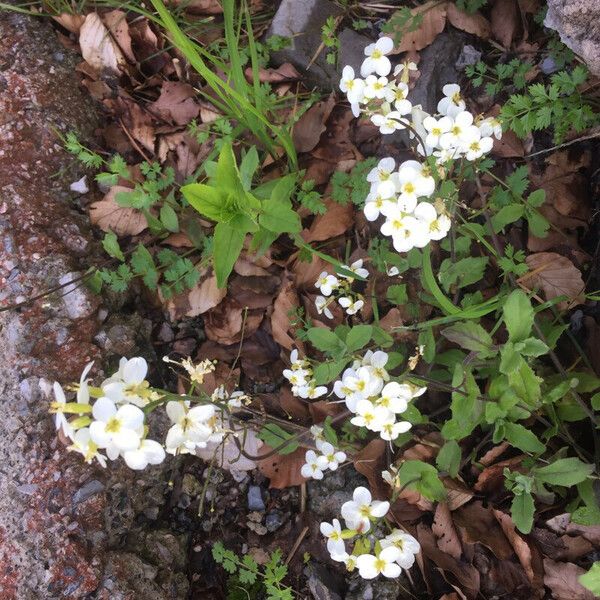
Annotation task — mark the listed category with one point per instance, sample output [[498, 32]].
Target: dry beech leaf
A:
[[286, 72], [311, 125], [556, 276], [444, 531], [176, 103], [285, 303], [109, 216], [433, 23], [474, 23], [116, 21], [282, 470], [201, 7], [506, 20], [198, 300], [70, 22], [334, 222], [509, 146], [563, 580], [98, 48]]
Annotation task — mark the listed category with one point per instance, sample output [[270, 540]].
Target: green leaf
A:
[[463, 272], [248, 167], [227, 245], [523, 438], [510, 359], [324, 339], [396, 294], [449, 457], [526, 384], [537, 198], [168, 217], [538, 224], [207, 200], [358, 337], [329, 432], [328, 371], [279, 218], [522, 510], [506, 215], [273, 435], [531, 347], [423, 478], [471, 336], [110, 243], [565, 472], [591, 580], [518, 316]]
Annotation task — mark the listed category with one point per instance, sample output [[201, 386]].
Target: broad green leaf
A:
[[537, 198], [510, 359], [329, 432], [522, 438], [110, 243], [526, 384], [449, 457], [168, 217], [522, 510], [591, 580], [279, 218], [207, 200], [506, 215], [397, 294], [565, 472], [248, 167], [466, 407], [273, 435], [358, 337], [227, 176], [463, 272], [471, 336], [518, 316], [538, 224], [323, 339], [423, 478], [328, 371], [531, 347], [227, 245]]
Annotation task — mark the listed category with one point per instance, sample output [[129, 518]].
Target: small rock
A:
[[273, 520], [87, 490], [468, 56], [255, 499], [28, 489], [548, 66], [76, 299], [190, 485], [80, 186], [165, 333], [322, 583]]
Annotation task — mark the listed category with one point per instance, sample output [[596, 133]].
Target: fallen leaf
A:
[[563, 580], [508, 146], [70, 21], [176, 103], [282, 470], [334, 222], [432, 24], [522, 549], [562, 524], [505, 19], [223, 324], [311, 125], [370, 462], [457, 494], [444, 531], [474, 23], [226, 455], [556, 276], [286, 72], [116, 21], [98, 48], [202, 7], [281, 323], [493, 453], [109, 216], [198, 300]]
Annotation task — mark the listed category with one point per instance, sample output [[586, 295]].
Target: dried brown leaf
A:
[[433, 23], [282, 470], [201, 7], [98, 48], [509, 146], [334, 222], [311, 125], [444, 531], [109, 216], [200, 299], [556, 276], [286, 72], [116, 22], [505, 20], [474, 23], [176, 103], [563, 580], [281, 328], [70, 21]]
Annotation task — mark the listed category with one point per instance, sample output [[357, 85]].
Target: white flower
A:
[[314, 466], [389, 123], [192, 427], [317, 433], [415, 181], [373, 205], [296, 361], [128, 384], [462, 131], [490, 126], [452, 103], [393, 271], [435, 128], [311, 391], [403, 67], [370, 416], [370, 566], [327, 283], [377, 361], [237, 399], [321, 304], [357, 268], [377, 61], [375, 87], [359, 511], [149, 452], [60, 420], [406, 544], [395, 396], [82, 443], [117, 430], [334, 458], [391, 429], [477, 148], [333, 532], [83, 393], [297, 376], [381, 177], [351, 306], [353, 87], [355, 108], [199, 371], [437, 225]]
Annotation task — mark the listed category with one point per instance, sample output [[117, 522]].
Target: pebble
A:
[[255, 499], [87, 490], [548, 66], [468, 56], [80, 186], [273, 520]]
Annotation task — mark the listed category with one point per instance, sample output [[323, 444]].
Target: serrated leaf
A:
[[522, 438], [358, 337], [565, 472], [471, 336]]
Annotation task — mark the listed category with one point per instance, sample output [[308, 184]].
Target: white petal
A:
[[135, 370], [385, 44], [104, 408], [130, 416]]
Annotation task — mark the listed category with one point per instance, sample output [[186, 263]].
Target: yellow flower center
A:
[[376, 54], [113, 425], [456, 98], [436, 131], [380, 565], [409, 188]]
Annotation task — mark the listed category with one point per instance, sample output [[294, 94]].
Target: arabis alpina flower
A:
[[350, 305], [333, 532], [384, 563], [321, 304], [452, 103], [391, 429], [406, 544], [377, 61], [334, 457], [437, 225], [490, 126], [117, 430], [357, 268], [314, 465], [394, 396], [128, 384], [57, 406], [148, 453], [375, 87], [478, 147], [353, 87], [435, 129], [393, 121], [461, 132], [83, 392], [380, 177], [327, 283], [359, 511], [370, 416], [192, 427], [82, 443], [373, 205]]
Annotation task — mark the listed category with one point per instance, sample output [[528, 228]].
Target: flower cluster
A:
[[328, 458], [400, 196], [115, 424], [340, 287], [392, 553], [300, 376], [374, 399]]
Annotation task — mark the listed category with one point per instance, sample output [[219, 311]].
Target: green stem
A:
[[432, 285]]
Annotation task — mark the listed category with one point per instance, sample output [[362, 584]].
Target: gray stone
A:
[[377, 589], [77, 301], [302, 21], [578, 25], [468, 56], [88, 490], [274, 520], [548, 66], [322, 583], [255, 499]]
